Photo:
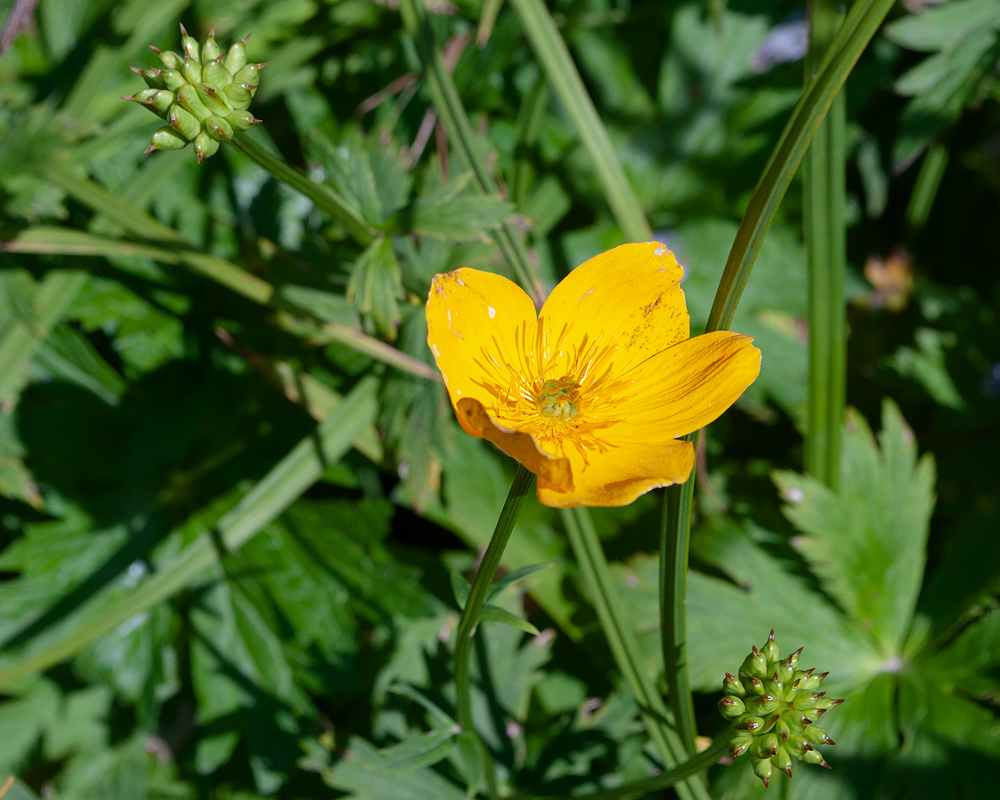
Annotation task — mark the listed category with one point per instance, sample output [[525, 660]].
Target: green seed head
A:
[[202, 92], [772, 707]]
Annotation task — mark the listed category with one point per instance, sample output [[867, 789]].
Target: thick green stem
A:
[[323, 196], [470, 614], [675, 536], [644, 788], [600, 588], [826, 242]]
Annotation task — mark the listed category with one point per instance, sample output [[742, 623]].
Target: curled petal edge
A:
[[517, 444]]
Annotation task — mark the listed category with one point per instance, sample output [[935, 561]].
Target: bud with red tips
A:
[[772, 707], [202, 93]]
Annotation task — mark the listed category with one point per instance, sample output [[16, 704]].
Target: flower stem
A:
[[823, 184], [600, 588], [646, 786], [323, 196], [675, 535], [470, 614]]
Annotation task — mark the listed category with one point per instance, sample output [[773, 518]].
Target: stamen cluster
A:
[[773, 708], [203, 94]]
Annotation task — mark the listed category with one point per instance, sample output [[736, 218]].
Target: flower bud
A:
[[731, 707], [762, 769], [731, 685], [762, 706], [203, 93], [210, 49], [772, 708]]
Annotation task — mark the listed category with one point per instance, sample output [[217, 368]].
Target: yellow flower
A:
[[591, 393]]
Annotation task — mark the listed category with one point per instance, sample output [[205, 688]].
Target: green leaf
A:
[[460, 588], [461, 218], [945, 26], [25, 335], [725, 619], [974, 650], [490, 613], [376, 287], [866, 541], [270, 497], [501, 585], [362, 773]]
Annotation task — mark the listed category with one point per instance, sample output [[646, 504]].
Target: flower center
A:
[[559, 398]]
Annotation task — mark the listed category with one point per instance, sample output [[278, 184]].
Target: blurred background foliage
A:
[[205, 595]]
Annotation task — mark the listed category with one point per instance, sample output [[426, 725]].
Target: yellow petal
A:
[[685, 387], [619, 475], [553, 470], [477, 324], [629, 297]]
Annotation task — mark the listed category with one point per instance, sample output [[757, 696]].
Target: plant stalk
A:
[[519, 489], [675, 536], [600, 588], [826, 243]]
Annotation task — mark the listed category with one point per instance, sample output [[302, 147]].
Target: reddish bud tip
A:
[[263, 64], [770, 636], [796, 684], [183, 29], [155, 49], [767, 783], [798, 652], [211, 29], [824, 764], [788, 770], [136, 70], [756, 652], [246, 38], [255, 121], [148, 150]]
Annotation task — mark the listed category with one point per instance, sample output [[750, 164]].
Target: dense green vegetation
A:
[[238, 517]]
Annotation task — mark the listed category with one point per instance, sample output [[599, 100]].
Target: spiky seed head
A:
[[202, 92], [772, 708]]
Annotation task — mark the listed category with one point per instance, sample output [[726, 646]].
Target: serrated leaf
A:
[[725, 618], [376, 287], [490, 613], [460, 588], [361, 773], [866, 541], [423, 750], [501, 585], [467, 217], [944, 26]]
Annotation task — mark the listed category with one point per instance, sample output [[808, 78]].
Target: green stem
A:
[[556, 61], [826, 244], [643, 788], [528, 119], [860, 25], [519, 489], [600, 588], [449, 107], [323, 196], [675, 536]]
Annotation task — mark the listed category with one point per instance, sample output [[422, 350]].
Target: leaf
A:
[[361, 773], [466, 217], [725, 619], [490, 613], [501, 585], [376, 287], [460, 588], [866, 541], [943, 27]]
